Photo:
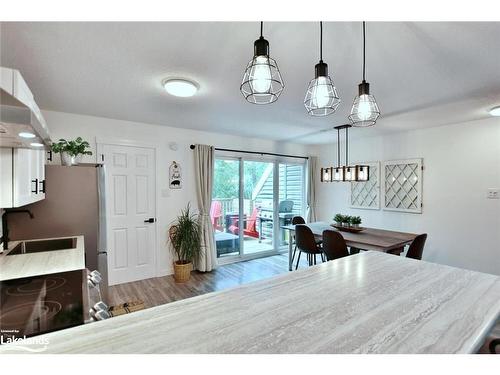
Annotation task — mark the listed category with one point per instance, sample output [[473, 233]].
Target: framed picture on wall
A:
[[366, 195], [402, 185]]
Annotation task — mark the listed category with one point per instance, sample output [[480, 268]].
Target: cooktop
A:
[[34, 305]]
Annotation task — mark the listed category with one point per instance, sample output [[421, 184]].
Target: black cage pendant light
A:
[[321, 98], [262, 82], [364, 110]]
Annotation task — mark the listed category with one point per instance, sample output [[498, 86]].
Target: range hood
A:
[[19, 113]]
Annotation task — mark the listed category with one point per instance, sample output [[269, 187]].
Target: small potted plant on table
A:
[[346, 221], [71, 151], [184, 236], [356, 221], [338, 219]]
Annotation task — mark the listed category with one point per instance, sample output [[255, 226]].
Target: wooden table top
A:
[[366, 303], [368, 239]]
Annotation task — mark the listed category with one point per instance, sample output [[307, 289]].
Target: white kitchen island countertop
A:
[[366, 303], [41, 263]]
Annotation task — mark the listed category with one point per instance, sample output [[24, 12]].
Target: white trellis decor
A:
[[402, 185], [366, 194]]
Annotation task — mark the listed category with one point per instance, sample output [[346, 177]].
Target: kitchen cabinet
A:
[[22, 173], [7, 80], [21, 90]]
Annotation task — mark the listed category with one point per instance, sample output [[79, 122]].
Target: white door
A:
[[131, 203]]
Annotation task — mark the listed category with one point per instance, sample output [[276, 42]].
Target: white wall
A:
[[65, 125], [461, 162]]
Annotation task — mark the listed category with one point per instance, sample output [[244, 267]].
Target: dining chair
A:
[[493, 344], [296, 220], [417, 247], [334, 245], [306, 243]]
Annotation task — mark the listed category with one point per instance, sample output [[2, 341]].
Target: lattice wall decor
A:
[[402, 185], [367, 194]]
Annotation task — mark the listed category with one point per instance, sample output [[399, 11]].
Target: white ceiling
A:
[[422, 74]]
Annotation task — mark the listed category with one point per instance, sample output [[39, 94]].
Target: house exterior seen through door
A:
[[252, 198]]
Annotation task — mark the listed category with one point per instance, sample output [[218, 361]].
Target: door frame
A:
[[100, 143]]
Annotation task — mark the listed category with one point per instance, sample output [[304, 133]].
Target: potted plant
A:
[[355, 221], [338, 219], [184, 236], [346, 220], [71, 151]]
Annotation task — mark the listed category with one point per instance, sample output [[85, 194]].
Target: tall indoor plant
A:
[[71, 151], [184, 236]]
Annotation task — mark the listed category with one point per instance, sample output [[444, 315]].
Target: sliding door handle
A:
[[150, 220]]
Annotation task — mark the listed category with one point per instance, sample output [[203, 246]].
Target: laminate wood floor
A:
[[161, 290]]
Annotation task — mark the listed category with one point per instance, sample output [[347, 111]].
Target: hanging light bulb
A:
[[326, 174], [262, 82], [321, 97], [365, 111]]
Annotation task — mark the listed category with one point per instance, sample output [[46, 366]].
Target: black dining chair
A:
[[306, 243], [493, 345], [296, 220], [334, 245], [417, 247]]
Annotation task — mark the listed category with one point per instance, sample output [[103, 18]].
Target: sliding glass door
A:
[[252, 200]]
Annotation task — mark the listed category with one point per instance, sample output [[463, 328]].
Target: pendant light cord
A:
[[364, 50], [346, 147], [261, 28], [320, 41], [338, 147]]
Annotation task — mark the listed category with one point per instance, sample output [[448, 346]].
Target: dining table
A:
[[387, 241]]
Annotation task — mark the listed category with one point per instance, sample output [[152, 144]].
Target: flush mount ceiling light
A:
[[180, 87], [26, 135], [36, 144], [364, 110], [495, 111], [262, 82], [321, 98]]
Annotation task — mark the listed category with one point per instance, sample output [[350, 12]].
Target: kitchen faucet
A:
[[5, 227]]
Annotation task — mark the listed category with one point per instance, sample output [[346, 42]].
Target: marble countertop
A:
[[33, 264], [366, 303]]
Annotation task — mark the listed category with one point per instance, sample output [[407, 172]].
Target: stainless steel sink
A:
[[37, 246]]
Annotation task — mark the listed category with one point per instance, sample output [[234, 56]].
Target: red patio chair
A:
[[251, 226], [216, 214]]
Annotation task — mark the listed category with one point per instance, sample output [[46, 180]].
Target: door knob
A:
[[150, 220]]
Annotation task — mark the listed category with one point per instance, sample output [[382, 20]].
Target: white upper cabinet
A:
[[22, 91], [22, 173], [7, 80]]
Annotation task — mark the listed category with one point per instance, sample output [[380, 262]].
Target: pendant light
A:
[[321, 98], [346, 172], [338, 172], [262, 82], [364, 110]]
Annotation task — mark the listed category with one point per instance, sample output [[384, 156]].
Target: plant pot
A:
[[347, 225], [355, 225], [69, 160], [182, 271]]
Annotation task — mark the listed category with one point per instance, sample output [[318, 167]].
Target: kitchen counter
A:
[[366, 303], [41, 263]]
